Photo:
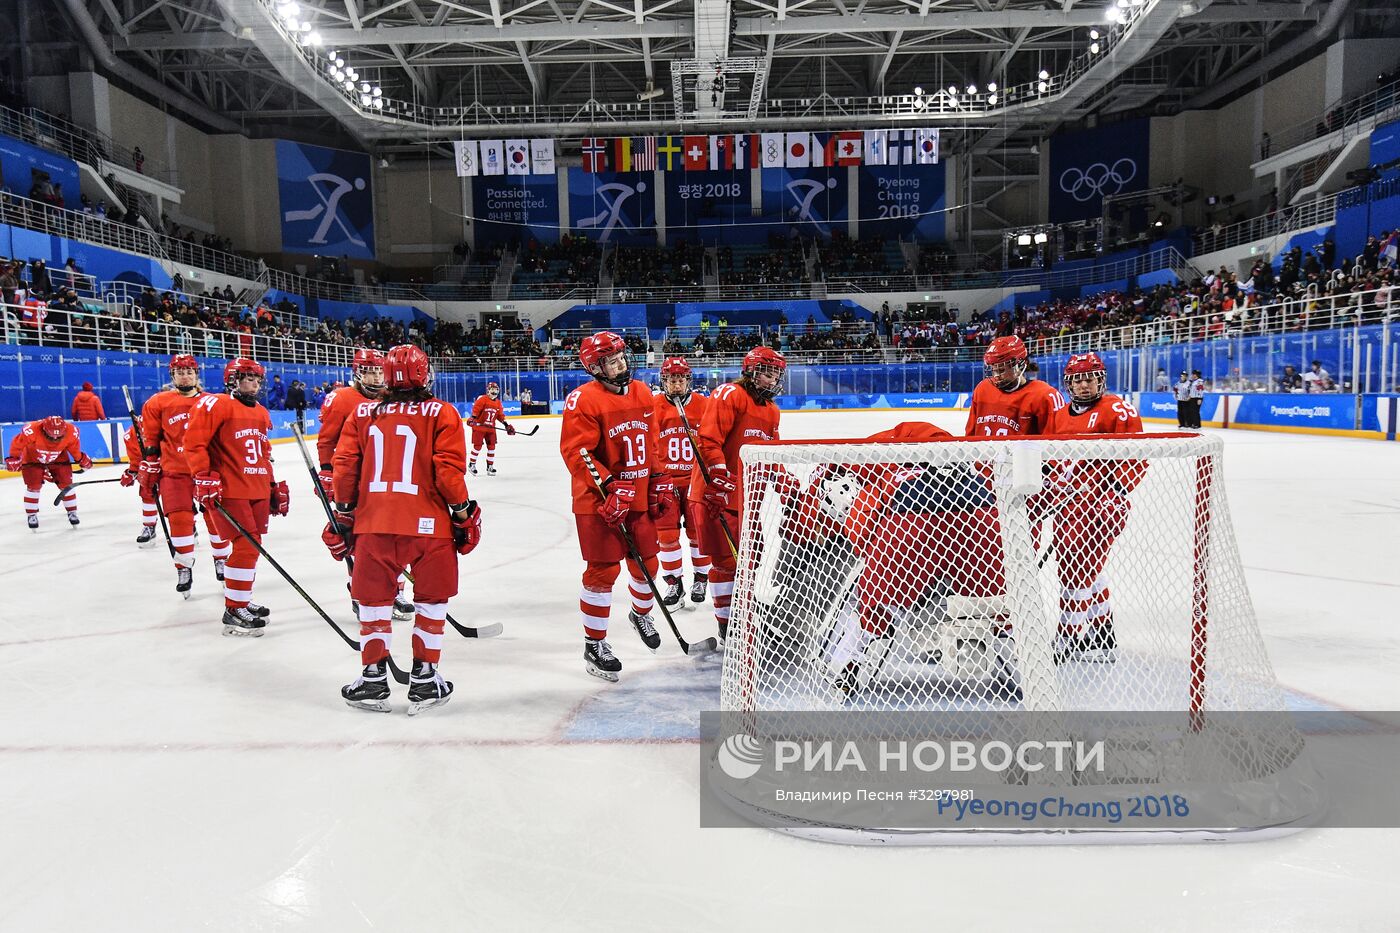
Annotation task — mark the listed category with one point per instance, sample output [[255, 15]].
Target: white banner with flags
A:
[[493, 159], [542, 157], [774, 148], [517, 157], [927, 147]]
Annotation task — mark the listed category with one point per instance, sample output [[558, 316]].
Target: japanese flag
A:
[[799, 150]]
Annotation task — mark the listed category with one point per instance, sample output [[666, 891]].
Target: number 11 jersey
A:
[[401, 464]]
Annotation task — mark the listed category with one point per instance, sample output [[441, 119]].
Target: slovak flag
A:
[[595, 155], [517, 157], [696, 150], [799, 150]]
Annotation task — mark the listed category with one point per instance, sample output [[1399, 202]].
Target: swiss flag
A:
[[696, 150], [595, 155], [849, 148]]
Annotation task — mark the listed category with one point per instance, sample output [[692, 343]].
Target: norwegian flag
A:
[[595, 154], [644, 154]]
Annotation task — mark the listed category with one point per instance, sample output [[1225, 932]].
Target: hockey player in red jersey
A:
[[1094, 509], [366, 385], [164, 470], [1006, 403], [487, 412], [47, 449], [614, 419], [678, 460], [228, 454], [147, 537], [738, 413], [399, 489]]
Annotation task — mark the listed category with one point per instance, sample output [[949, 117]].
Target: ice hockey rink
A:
[[157, 776]]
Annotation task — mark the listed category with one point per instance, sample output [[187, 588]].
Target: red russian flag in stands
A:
[[595, 155]]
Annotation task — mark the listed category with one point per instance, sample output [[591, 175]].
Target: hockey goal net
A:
[[1095, 574]]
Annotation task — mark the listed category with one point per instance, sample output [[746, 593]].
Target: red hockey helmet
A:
[[407, 367], [183, 361], [599, 347], [1085, 377], [366, 356], [490, 386], [53, 427], [676, 380], [767, 362], [236, 369], [1005, 362], [368, 359]]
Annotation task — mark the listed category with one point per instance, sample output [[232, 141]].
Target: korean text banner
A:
[[812, 200], [515, 209], [22, 166], [615, 207], [1086, 167], [327, 201], [707, 206], [899, 200]]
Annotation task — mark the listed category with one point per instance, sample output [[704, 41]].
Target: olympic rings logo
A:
[[1098, 179]]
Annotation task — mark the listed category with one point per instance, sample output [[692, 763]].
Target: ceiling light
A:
[[354, 75], [378, 91], [992, 86], [1044, 75], [952, 91], [918, 91], [379, 103], [972, 89], [1042, 238], [1093, 33], [1023, 240], [314, 38], [1042, 87], [1094, 48], [364, 88], [1111, 14], [992, 99]]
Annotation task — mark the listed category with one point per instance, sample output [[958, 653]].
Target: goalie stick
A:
[[87, 482], [466, 631], [155, 487], [709, 644], [399, 675]]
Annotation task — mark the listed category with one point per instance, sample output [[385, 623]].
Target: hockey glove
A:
[[84, 461], [128, 478], [12, 464], [466, 527], [326, 477], [510, 428], [279, 499], [340, 543], [786, 486], [719, 489], [664, 500], [149, 471], [208, 486], [618, 503]]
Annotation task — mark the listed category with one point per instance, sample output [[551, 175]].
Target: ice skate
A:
[[674, 592], [697, 588], [490, 470], [73, 519], [184, 581], [599, 660], [147, 537], [262, 612], [219, 563], [242, 622], [370, 691], [426, 688], [646, 629], [471, 468], [403, 610], [33, 522]]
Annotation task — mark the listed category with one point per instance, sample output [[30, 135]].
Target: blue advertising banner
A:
[[616, 207], [23, 166], [327, 201], [811, 199], [707, 205], [515, 209], [1385, 143], [1084, 167], [903, 200]]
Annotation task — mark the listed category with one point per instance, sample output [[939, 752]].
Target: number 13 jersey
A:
[[401, 464], [619, 433]]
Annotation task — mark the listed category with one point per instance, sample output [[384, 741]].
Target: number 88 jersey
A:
[[401, 464], [673, 442]]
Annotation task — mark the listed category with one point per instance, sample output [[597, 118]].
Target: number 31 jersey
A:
[[401, 465], [230, 438]]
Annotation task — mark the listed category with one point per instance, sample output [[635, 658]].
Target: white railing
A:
[[1344, 116], [1302, 217]]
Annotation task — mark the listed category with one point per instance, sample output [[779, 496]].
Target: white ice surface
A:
[[157, 776]]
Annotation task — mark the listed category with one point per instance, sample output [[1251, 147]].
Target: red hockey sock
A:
[[376, 632], [427, 631]]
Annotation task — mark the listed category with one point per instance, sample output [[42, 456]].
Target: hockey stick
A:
[[466, 631], [530, 433], [705, 475], [155, 487], [399, 675], [87, 482], [709, 644]]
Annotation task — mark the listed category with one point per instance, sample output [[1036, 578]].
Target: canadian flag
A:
[[595, 155], [696, 150], [850, 148], [799, 150], [517, 157]]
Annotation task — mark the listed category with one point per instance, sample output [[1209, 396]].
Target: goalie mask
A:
[[838, 494]]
